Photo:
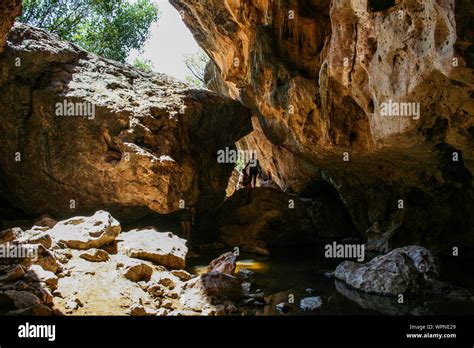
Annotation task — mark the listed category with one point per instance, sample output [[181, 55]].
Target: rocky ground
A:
[[88, 266]]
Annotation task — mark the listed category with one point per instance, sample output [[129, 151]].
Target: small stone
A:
[[167, 282], [171, 294], [168, 304], [137, 310], [156, 290], [138, 272], [309, 304], [95, 255], [182, 275], [71, 304]]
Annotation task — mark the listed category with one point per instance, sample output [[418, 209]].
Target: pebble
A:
[[309, 304]]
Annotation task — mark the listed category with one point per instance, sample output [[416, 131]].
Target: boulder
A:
[[162, 248], [13, 273], [225, 263], [217, 284], [18, 299], [139, 311], [403, 270], [83, 232], [10, 235], [138, 271], [140, 145], [45, 258], [36, 235], [45, 221], [156, 290]]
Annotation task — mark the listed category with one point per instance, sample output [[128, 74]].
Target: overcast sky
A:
[[170, 40]]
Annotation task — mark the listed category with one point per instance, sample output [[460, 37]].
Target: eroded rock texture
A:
[[404, 270], [150, 143], [9, 9], [319, 75]]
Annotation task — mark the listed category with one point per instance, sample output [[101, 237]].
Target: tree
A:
[[143, 64], [110, 28], [196, 64]]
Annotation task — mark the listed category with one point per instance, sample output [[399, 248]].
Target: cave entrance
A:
[[171, 48]]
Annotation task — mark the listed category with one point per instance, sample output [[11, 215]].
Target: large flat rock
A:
[[82, 232], [163, 248]]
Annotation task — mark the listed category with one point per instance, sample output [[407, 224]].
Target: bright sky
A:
[[169, 42]]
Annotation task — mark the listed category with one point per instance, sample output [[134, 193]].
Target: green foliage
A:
[[239, 166], [110, 28], [196, 64], [143, 64]]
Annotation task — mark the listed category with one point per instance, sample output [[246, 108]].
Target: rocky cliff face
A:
[[9, 9], [82, 133], [325, 79]]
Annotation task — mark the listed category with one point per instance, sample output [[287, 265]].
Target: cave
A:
[[268, 183]]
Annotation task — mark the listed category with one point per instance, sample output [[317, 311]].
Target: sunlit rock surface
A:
[[161, 248]]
